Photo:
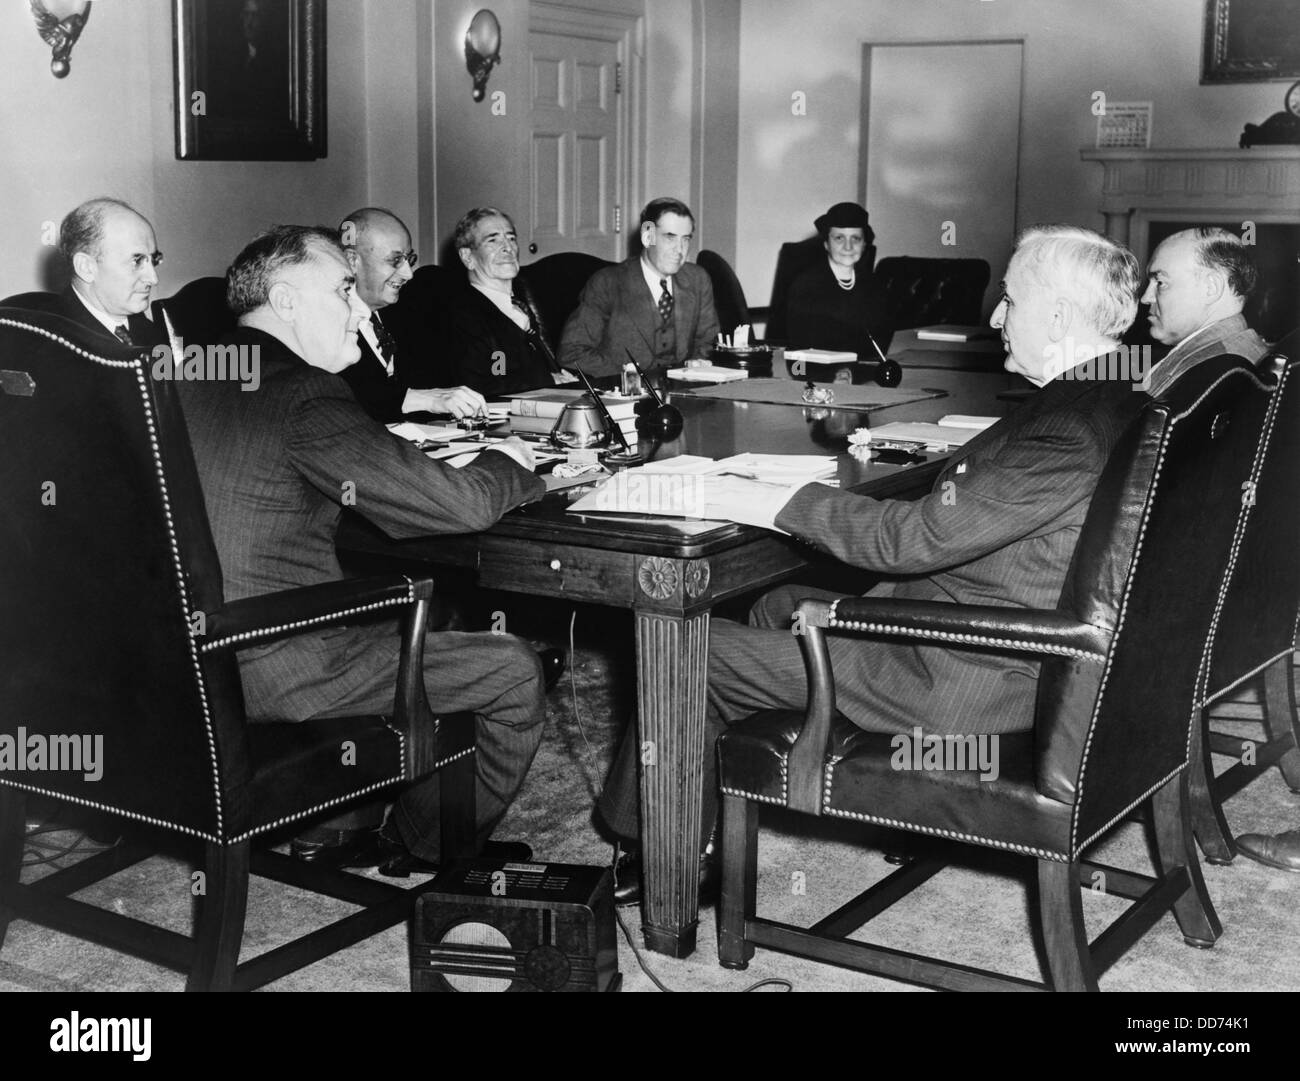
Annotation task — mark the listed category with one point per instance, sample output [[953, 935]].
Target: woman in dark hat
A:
[[832, 305]]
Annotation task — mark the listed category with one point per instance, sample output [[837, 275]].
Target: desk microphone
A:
[[662, 422], [889, 373]]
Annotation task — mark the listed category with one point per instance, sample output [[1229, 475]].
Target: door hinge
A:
[[618, 218], [618, 76]]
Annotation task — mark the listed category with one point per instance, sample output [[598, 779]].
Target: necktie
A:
[[387, 346], [665, 302], [122, 334], [520, 306]]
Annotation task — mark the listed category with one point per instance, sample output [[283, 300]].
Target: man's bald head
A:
[[1197, 277], [112, 250], [378, 247]]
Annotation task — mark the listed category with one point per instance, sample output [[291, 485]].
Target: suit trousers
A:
[[750, 669], [497, 677]]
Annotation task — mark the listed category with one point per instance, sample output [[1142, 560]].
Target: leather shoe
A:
[[354, 848], [1280, 850], [628, 880], [553, 661], [400, 863]]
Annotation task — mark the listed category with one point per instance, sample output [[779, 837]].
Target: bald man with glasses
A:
[[378, 249], [113, 256]]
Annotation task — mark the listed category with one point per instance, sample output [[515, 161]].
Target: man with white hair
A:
[[999, 527], [1197, 285]]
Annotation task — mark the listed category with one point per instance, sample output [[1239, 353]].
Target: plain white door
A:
[[942, 142]]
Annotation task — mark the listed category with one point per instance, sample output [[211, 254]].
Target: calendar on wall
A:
[[1124, 124]]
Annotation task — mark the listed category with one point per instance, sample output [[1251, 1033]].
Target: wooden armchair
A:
[[115, 632], [1107, 737]]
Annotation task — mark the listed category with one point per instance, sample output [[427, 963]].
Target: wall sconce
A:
[[59, 29], [482, 49]]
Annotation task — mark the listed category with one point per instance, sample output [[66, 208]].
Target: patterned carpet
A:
[[969, 913]]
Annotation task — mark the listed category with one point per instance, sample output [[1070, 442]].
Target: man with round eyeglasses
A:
[[379, 251], [113, 256]]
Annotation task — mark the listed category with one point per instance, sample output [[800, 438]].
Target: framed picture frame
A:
[[249, 79], [1250, 41]]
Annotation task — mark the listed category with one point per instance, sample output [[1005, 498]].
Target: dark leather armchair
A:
[[552, 286], [115, 634], [417, 322], [1106, 739], [793, 259], [1255, 633], [197, 311], [728, 296], [923, 292]]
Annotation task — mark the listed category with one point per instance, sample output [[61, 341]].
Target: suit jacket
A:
[[616, 313], [144, 332], [822, 315], [378, 393], [1230, 335], [487, 351], [999, 527], [277, 466]]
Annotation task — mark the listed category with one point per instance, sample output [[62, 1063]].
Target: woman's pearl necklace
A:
[[848, 285]]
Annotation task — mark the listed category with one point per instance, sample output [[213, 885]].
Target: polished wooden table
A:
[[671, 573]]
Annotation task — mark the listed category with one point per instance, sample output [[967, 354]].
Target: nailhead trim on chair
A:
[[299, 624], [1123, 612], [903, 629], [1136, 803], [138, 366]]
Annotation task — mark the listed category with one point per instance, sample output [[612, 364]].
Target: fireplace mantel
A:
[[1197, 186]]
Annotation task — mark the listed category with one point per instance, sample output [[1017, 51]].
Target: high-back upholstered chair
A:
[[36, 301], [115, 634], [1255, 631], [416, 321], [728, 295], [1107, 736], [552, 286], [923, 292], [793, 259], [197, 311]]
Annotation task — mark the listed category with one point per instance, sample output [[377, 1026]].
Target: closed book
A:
[[551, 402], [543, 425]]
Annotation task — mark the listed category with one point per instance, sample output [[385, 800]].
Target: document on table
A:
[[693, 487]]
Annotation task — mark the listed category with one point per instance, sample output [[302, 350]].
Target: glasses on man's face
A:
[[153, 258], [398, 258]]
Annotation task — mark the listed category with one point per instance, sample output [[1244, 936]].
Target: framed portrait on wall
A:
[[250, 79], [1250, 41]]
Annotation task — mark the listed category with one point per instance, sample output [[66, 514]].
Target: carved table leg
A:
[[672, 658]]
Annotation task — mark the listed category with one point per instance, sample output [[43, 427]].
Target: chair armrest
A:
[[290, 611], [1015, 630]]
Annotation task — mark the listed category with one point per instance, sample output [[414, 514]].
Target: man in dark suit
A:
[[655, 305], [999, 527], [378, 248], [1197, 285], [277, 467], [113, 255], [493, 341]]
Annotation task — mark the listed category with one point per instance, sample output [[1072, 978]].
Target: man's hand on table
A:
[[517, 449], [749, 502], [459, 402]]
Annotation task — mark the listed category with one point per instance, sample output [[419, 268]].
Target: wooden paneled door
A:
[[578, 140]]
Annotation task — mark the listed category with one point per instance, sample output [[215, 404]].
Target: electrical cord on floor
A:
[[775, 981]]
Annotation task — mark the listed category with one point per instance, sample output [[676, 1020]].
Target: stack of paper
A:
[[687, 486], [929, 435], [953, 332], [821, 356], [707, 373], [962, 420]]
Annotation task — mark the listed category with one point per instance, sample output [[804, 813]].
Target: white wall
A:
[[108, 129], [792, 168]]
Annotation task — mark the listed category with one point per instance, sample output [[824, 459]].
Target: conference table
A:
[[671, 573]]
